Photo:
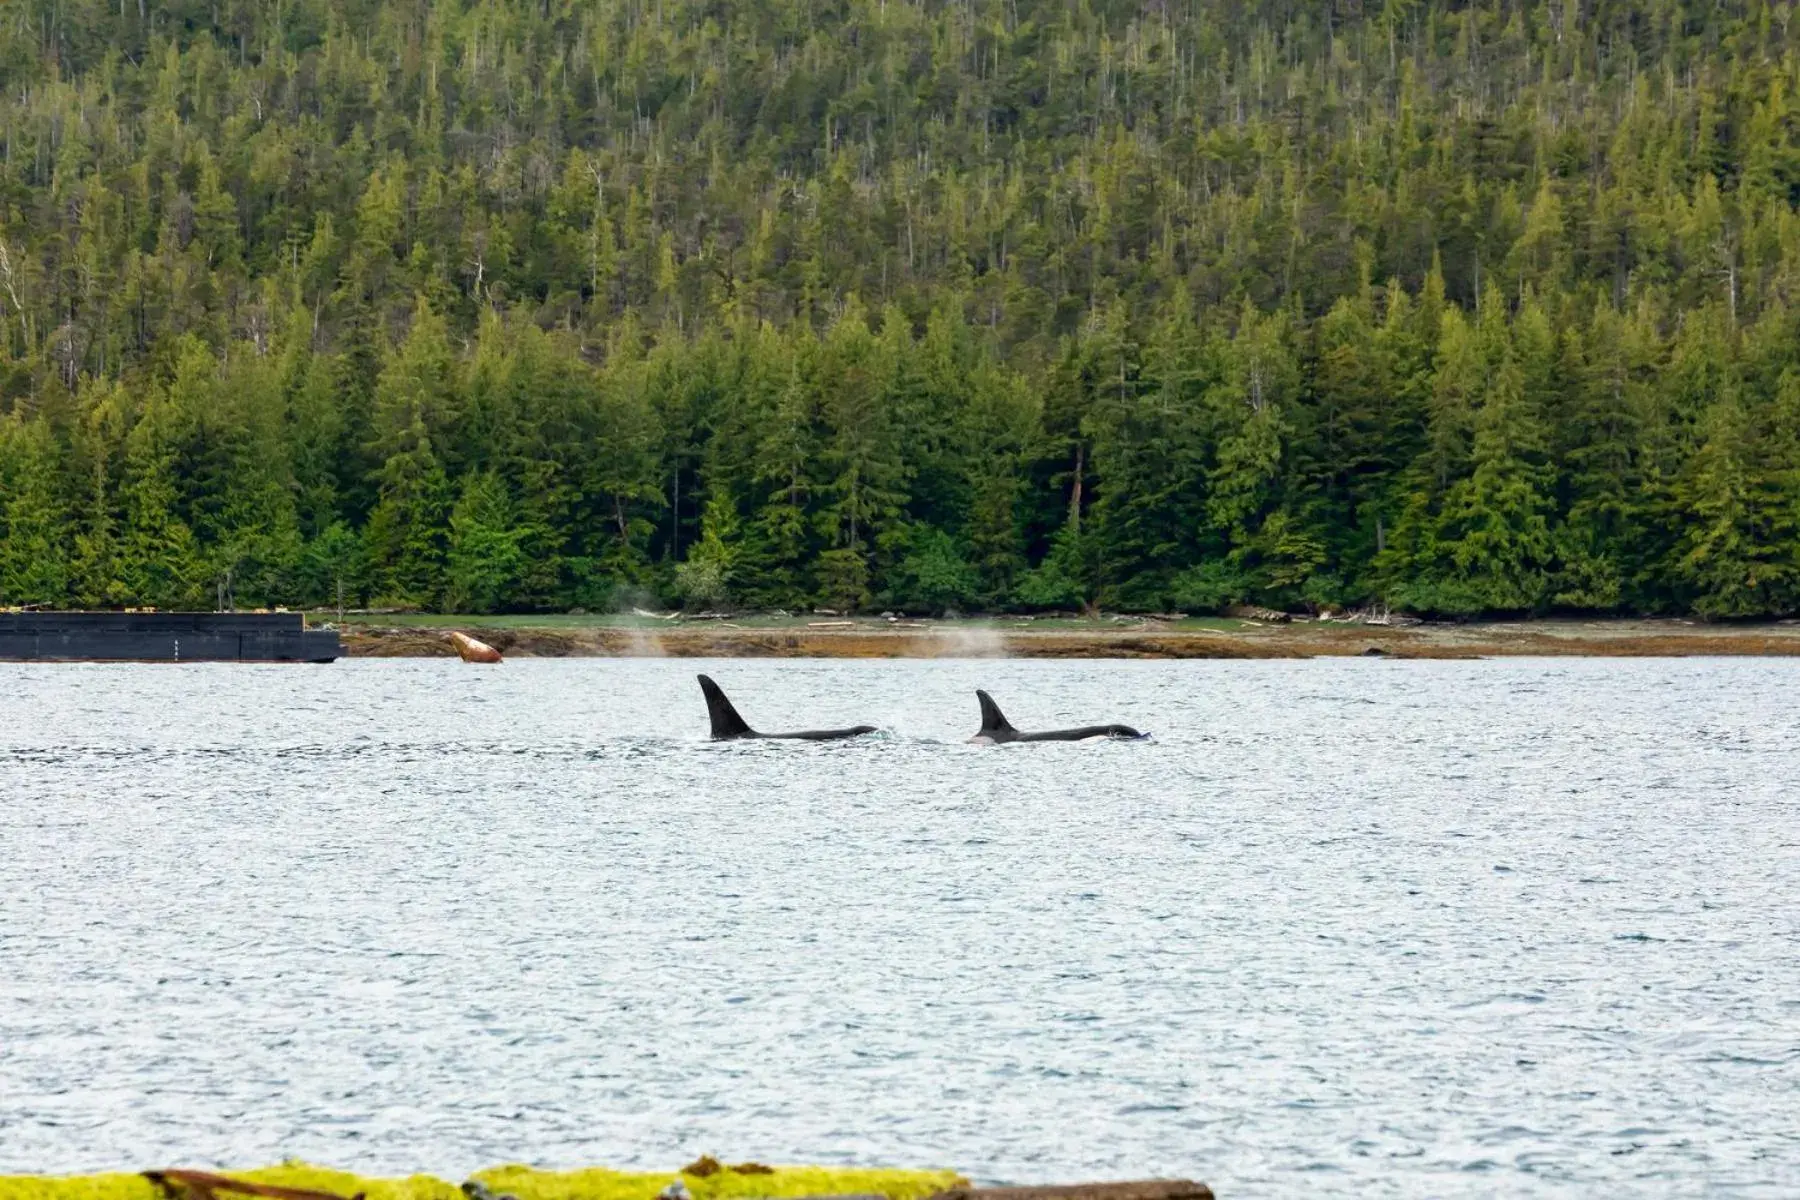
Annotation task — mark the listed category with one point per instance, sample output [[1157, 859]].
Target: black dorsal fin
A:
[[725, 720], [992, 719]]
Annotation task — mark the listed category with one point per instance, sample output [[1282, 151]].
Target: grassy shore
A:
[[596, 1183], [828, 636]]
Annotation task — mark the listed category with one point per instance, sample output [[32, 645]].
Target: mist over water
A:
[[1352, 928], [967, 641]]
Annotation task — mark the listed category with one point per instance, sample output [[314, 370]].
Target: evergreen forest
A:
[[1456, 306]]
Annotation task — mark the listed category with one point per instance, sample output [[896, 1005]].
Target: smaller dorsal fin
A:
[[992, 719], [725, 720]]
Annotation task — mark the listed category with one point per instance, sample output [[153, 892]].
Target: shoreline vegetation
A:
[[705, 1179], [1165, 636], [507, 306]]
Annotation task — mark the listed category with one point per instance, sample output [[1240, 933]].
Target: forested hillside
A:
[[529, 304]]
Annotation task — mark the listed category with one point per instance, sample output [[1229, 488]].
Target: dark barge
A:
[[163, 637]]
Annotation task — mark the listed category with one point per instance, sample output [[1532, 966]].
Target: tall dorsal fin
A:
[[992, 719], [725, 720]]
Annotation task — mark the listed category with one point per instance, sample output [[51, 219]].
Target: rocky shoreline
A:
[[1120, 638]]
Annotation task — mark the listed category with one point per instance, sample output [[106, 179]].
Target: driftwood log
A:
[[205, 1185], [1140, 1189], [1251, 612]]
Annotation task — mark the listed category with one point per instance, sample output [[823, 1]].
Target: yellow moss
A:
[[526, 1183], [78, 1187], [324, 1179], [290, 1174], [598, 1183]]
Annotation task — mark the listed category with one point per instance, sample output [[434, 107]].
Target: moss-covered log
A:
[[526, 1183]]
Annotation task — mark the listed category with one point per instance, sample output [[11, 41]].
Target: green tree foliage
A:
[[705, 577], [1461, 307], [158, 558], [34, 554]]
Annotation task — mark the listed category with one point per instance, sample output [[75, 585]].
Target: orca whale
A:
[[728, 726], [996, 729]]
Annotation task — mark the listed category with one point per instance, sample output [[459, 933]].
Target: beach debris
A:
[[677, 1190], [1254, 612], [703, 1166], [1374, 615], [831, 624], [473, 650], [206, 1185]]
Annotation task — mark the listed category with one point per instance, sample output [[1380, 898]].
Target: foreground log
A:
[[471, 650], [1139, 1189], [205, 1185]]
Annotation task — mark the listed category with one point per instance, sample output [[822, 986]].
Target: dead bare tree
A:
[[9, 280]]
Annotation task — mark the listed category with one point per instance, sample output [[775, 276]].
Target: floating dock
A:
[[163, 637]]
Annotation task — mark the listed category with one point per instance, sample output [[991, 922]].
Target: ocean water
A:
[[1357, 928]]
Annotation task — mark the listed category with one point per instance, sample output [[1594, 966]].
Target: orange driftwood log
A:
[[205, 1185], [470, 650], [1140, 1189]]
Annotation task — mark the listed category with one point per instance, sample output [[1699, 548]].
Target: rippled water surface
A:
[[1357, 927]]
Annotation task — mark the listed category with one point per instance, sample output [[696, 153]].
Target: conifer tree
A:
[[484, 558], [157, 562], [34, 545]]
